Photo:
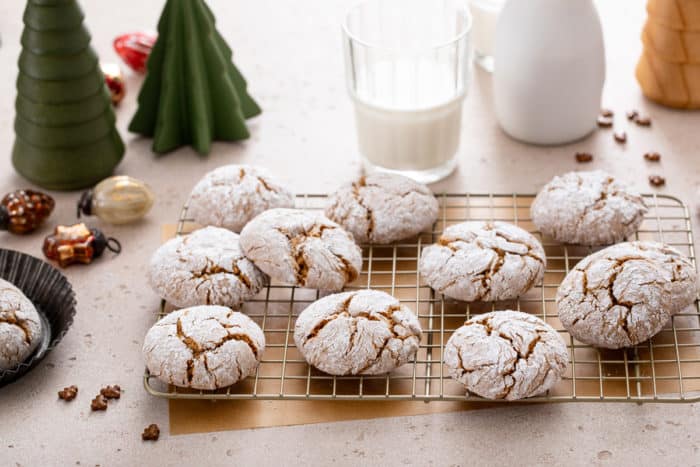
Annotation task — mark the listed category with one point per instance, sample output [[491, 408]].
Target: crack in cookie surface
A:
[[615, 301], [188, 348], [20, 326], [210, 269], [197, 349], [596, 203], [266, 184], [344, 306], [298, 244], [490, 238], [232, 195], [536, 358], [589, 208], [10, 317], [594, 311], [383, 208], [204, 267], [302, 248], [369, 215], [399, 333], [605, 194]]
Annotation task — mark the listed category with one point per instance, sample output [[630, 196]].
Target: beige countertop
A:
[[290, 52]]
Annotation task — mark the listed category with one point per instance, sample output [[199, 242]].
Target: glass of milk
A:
[[485, 14], [407, 67]]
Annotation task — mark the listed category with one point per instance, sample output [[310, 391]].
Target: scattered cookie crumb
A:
[[584, 157], [632, 115], [99, 403], [620, 137], [657, 180], [652, 156], [642, 121], [605, 122], [606, 112], [151, 433], [69, 393], [111, 392]]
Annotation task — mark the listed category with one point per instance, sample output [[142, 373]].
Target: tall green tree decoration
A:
[[193, 93], [64, 123]]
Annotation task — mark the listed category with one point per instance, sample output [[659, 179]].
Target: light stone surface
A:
[[290, 53], [365, 332], [626, 293], [231, 195], [588, 208], [506, 355]]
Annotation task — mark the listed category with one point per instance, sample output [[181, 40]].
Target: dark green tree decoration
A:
[[64, 123], [193, 93]]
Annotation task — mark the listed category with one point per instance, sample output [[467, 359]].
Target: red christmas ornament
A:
[[134, 48], [70, 244], [114, 81]]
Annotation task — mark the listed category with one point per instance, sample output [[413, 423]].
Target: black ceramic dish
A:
[[52, 296]]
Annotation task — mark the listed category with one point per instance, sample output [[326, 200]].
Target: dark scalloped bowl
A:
[[52, 296]]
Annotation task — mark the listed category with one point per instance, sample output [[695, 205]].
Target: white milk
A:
[[411, 123], [484, 18]]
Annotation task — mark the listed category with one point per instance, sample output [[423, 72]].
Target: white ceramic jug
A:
[[550, 69]]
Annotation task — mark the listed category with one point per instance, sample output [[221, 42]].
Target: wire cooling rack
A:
[[664, 369]]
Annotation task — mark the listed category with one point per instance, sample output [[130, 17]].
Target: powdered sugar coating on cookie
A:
[[206, 267], [383, 208], [20, 326], [302, 248], [506, 355], [203, 347], [483, 261], [588, 208], [625, 294], [364, 332], [232, 195]]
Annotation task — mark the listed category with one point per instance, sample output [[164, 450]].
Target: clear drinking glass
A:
[[408, 66]]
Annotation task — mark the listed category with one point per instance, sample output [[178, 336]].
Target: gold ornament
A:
[[117, 200]]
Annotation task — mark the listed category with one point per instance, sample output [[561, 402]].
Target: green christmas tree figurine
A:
[[64, 123], [193, 93]]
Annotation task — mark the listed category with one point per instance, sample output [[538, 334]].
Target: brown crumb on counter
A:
[[642, 121], [632, 115], [657, 180], [584, 157], [151, 433], [69, 393], [99, 403], [620, 137], [605, 122], [606, 112], [652, 156], [111, 392]]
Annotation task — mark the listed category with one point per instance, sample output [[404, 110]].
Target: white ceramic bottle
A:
[[550, 69], [484, 19]]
